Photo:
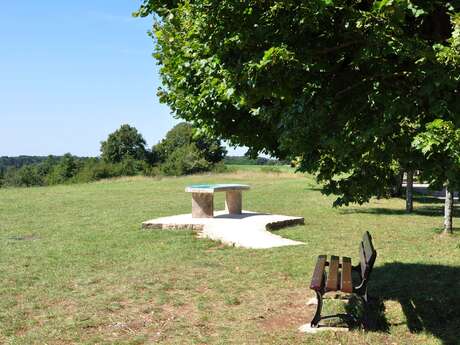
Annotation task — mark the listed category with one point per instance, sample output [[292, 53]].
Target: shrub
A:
[[130, 167], [185, 160], [183, 135], [151, 171], [94, 169], [220, 168], [64, 171], [26, 176]]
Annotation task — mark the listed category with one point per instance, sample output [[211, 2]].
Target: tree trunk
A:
[[409, 191], [448, 210], [396, 190]]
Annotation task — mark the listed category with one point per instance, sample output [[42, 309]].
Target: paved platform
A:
[[308, 329], [247, 230]]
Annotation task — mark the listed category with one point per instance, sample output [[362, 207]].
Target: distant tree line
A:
[[183, 151], [244, 160], [17, 162]]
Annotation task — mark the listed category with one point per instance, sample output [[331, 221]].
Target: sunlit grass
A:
[[76, 268]]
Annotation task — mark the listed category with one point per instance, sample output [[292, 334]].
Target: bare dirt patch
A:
[[288, 315], [174, 312]]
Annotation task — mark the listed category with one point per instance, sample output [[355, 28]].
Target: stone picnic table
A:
[[203, 198]]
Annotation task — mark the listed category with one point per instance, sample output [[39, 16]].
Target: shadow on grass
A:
[[428, 294], [313, 188], [431, 211], [241, 215], [423, 199]]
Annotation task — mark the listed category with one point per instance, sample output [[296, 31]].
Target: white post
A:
[[448, 207]]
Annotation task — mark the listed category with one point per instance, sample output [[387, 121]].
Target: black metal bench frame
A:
[[339, 277]]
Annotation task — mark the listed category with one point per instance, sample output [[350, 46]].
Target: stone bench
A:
[[203, 198]]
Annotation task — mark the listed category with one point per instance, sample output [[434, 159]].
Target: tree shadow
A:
[[430, 211], [439, 194], [313, 188], [423, 199], [428, 294], [242, 215]]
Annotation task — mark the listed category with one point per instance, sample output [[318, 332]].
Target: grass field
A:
[[76, 268]]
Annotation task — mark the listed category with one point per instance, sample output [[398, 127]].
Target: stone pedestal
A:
[[233, 202], [202, 205], [202, 198]]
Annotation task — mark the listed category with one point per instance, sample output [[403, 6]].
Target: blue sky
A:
[[71, 72]]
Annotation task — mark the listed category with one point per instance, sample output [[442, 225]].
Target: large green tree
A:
[[125, 143], [186, 150], [346, 85], [184, 134]]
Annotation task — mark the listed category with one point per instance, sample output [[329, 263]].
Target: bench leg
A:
[[365, 299], [202, 205], [365, 296], [317, 317], [234, 202], [362, 293]]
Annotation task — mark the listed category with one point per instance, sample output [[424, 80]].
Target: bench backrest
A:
[[367, 255]]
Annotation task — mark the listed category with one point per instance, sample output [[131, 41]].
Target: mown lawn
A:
[[75, 267]]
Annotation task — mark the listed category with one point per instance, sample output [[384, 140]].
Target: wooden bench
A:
[[339, 276], [203, 198]]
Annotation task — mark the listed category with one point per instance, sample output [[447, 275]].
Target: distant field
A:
[[260, 168], [75, 268]]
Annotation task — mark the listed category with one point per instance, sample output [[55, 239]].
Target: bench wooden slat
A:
[[368, 247], [332, 283], [318, 273], [346, 284]]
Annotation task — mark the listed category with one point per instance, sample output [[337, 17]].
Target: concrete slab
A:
[[306, 328], [247, 230]]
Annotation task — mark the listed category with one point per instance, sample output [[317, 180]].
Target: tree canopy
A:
[[344, 85], [125, 143]]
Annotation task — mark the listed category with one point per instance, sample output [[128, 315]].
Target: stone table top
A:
[[211, 188]]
